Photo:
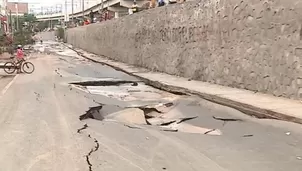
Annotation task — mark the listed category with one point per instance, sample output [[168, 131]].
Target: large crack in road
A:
[[96, 147], [92, 150]]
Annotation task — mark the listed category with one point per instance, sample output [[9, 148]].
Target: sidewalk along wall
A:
[[248, 44]]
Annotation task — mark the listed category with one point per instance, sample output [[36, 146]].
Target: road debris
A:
[[248, 135], [185, 119], [288, 133], [208, 132], [225, 120], [187, 128], [132, 126], [299, 157], [158, 108], [167, 121], [56, 71], [91, 112], [63, 59], [38, 96], [159, 121], [134, 84]]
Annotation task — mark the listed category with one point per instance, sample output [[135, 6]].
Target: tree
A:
[[25, 21], [30, 18], [42, 25], [24, 33]]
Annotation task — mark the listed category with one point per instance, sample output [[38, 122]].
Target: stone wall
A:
[[248, 44]]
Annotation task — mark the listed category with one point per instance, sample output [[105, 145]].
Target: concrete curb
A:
[[262, 113]]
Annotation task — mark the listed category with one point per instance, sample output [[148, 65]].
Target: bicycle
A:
[[11, 66]]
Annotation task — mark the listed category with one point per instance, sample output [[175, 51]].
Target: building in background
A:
[[3, 16], [78, 5], [17, 8]]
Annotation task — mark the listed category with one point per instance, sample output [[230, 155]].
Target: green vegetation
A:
[[23, 38], [40, 26], [21, 35], [25, 22]]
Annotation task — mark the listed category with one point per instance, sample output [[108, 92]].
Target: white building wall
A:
[[3, 6]]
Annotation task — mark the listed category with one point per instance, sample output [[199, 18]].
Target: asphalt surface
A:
[[39, 126]]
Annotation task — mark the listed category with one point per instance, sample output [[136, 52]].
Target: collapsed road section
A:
[[161, 115], [145, 106]]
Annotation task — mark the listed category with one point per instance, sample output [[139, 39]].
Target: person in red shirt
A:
[[86, 22], [20, 57]]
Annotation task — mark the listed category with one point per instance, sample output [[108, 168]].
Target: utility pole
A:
[[66, 18], [10, 21], [2, 29], [17, 15], [83, 9], [72, 11], [102, 6], [66, 15]]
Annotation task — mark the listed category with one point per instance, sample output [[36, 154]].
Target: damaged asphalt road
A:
[[92, 150], [48, 124]]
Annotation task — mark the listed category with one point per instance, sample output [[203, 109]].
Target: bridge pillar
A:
[[118, 11], [128, 4]]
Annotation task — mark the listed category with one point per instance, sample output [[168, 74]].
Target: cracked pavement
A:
[[40, 128]]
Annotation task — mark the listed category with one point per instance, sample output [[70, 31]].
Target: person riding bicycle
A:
[[20, 57]]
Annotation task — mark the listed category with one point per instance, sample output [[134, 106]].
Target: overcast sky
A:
[[36, 5], [42, 2]]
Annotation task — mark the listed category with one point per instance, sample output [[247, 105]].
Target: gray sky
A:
[[41, 2], [36, 5]]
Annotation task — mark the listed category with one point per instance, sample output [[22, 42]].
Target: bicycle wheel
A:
[[10, 67], [28, 67]]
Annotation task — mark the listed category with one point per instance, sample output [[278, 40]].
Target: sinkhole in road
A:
[[124, 90], [106, 83], [145, 106], [161, 115]]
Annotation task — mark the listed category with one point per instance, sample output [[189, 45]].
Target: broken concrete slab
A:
[[159, 121], [187, 128], [152, 114], [91, 113], [130, 115], [174, 113], [159, 107]]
